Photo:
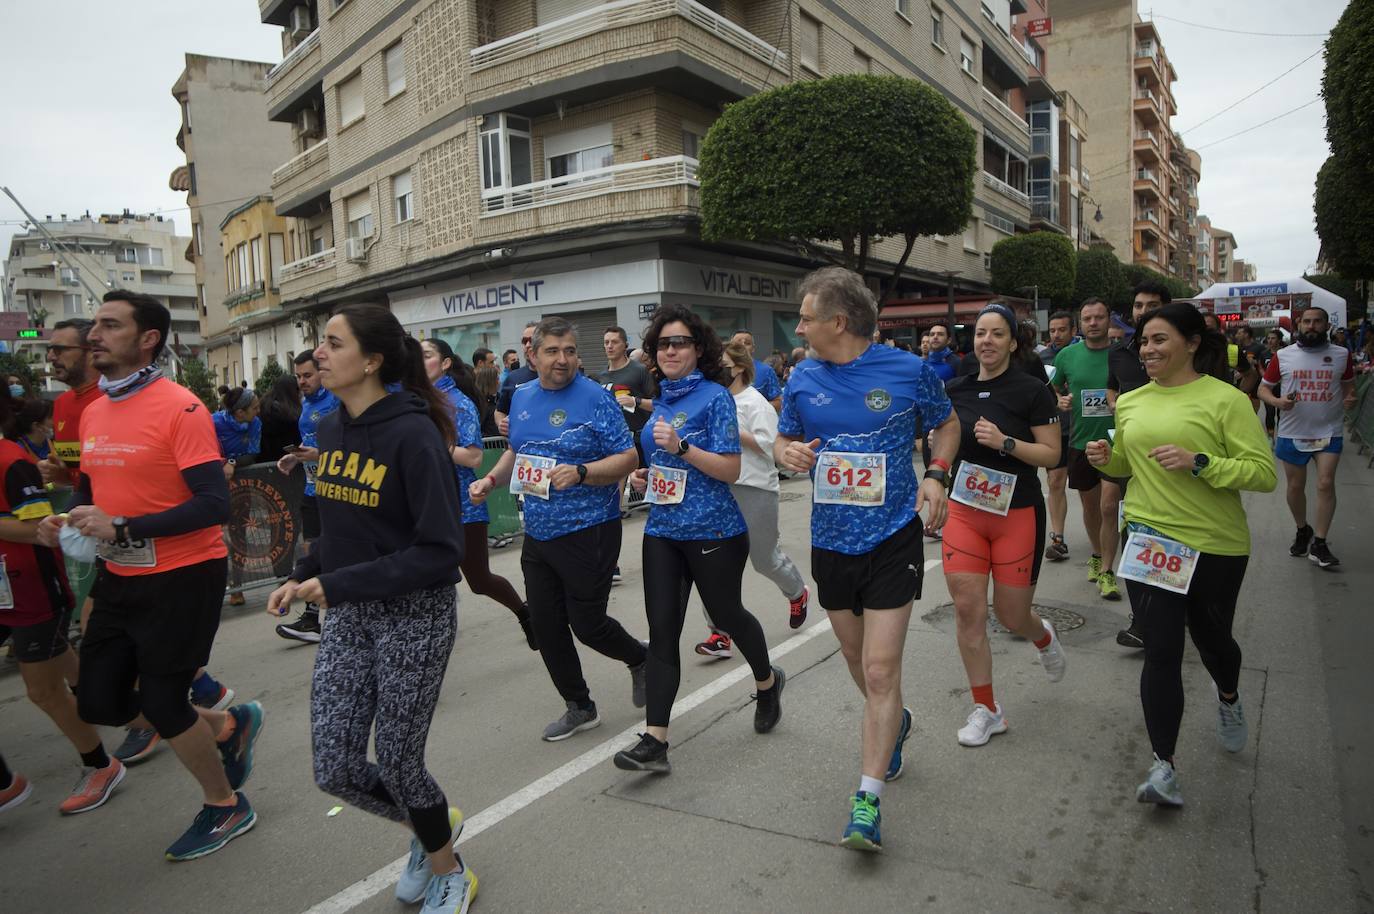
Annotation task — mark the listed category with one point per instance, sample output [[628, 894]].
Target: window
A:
[[191, 173], [507, 155], [255, 260], [937, 28], [966, 53], [242, 269], [316, 241], [904, 9], [70, 276], [403, 194], [578, 151], [971, 236], [692, 138], [351, 100], [126, 276], [276, 253], [1033, 53], [200, 297], [395, 61], [809, 44], [359, 207], [1000, 223], [71, 304], [988, 14], [862, 62], [195, 232]]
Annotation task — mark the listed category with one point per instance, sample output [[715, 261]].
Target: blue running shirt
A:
[[467, 427], [703, 414], [579, 424], [871, 405], [766, 381], [314, 408]]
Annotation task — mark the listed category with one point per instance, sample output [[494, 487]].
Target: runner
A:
[[756, 492], [996, 523], [1190, 443], [35, 614], [1062, 331], [695, 533], [317, 401], [239, 429], [390, 546], [1081, 379], [154, 494], [944, 360], [1311, 425], [569, 448], [851, 414], [765, 377], [1273, 341], [449, 377]]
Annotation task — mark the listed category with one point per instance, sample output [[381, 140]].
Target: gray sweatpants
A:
[[760, 510]]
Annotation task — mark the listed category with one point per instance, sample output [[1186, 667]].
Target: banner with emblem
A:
[[264, 528]]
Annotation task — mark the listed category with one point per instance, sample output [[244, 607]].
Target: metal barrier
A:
[[505, 524], [1361, 417]]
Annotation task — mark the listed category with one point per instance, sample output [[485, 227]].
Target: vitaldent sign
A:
[[694, 279]]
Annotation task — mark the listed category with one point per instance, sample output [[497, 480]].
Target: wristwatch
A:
[[938, 475], [121, 528], [1200, 462], [682, 447], [581, 473], [1008, 444]]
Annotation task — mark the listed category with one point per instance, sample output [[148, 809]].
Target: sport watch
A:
[[581, 473], [1008, 444], [682, 448], [1200, 462], [121, 529]]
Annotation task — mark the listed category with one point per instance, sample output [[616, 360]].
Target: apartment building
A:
[[1206, 269], [231, 148], [1224, 256], [253, 239], [477, 163]]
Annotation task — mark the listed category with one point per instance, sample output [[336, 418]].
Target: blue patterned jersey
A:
[[467, 427], [766, 381], [237, 439], [314, 408], [871, 405], [578, 424], [703, 413]]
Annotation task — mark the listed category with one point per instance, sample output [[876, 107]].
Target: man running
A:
[[1061, 335], [633, 388], [1081, 379], [1311, 424], [154, 496], [765, 378], [851, 415], [944, 360], [316, 403]]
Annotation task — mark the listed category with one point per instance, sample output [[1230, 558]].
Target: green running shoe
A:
[[863, 831]]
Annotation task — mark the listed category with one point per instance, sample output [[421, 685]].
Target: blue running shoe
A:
[[862, 833], [237, 750], [415, 877], [451, 893], [213, 828], [894, 767]]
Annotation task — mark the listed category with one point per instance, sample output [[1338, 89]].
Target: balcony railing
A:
[[1144, 174], [664, 172], [1005, 189], [1146, 94], [307, 265], [1147, 215], [247, 293], [1147, 49], [1007, 111], [300, 162], [615, 15], [309, 43]]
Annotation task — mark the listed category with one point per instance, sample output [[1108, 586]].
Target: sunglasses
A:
[[676, 342], [526, 340]]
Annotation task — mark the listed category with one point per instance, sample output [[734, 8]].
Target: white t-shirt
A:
[[1314, 375], [757, 417]]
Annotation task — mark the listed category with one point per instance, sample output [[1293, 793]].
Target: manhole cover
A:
[[1063, 620]]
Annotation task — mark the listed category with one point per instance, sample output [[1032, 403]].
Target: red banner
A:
[[1039, 28]]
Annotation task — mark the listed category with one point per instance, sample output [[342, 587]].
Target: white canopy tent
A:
[[1275, 297]]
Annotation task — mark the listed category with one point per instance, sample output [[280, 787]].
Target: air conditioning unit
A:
[[308, 122], [301, 26], [355, 250]]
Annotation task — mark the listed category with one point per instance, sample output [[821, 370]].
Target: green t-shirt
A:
[[1083, 372]]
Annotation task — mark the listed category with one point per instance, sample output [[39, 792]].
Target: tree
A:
[[1135, 274], [847, 160], [271, 373], [1348, 83], [11, 364], [1347, 289], [1344, 207], [196, 378], [1042, 259], [1099, 275]]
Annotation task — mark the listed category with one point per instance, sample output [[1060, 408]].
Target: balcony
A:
[[618, 47], [291, 79], [1005, 189], [1147, 105], [1147, 145], [1005, 117], [308, 275], [301, 179], [602, 194], [38, 284], [246, 294]]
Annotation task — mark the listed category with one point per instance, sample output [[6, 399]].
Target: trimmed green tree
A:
[[1348, 83], [1099, 275], [1347, 289], [1040, 259], [845, 160], [1344, 207], [196, 378], [271, 373]]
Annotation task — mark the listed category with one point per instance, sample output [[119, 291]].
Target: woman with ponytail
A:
[[385, 564], [452, 378]]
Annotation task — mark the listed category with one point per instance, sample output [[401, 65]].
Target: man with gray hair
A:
[[850, 418]]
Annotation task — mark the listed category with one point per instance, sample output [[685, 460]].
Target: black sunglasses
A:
[[676, 342]]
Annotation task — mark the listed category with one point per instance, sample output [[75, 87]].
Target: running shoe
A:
[[1094, 568], [237, 599], [451, 893], [896, 765], [933, 535], [1052, 655], [1107, 586], [237, 750], [1057, 550], [716, 645], [138, 745], [214, 827], [306, 628], [639, 688], [796, 609], [1232, 731], [768, 707], [1320, 555], [863, 833], [982, 726], [1301, 542], [16, 793], [94, 788], [416, 875], [648, 754], [1161, 787], [527, 627], [574, 720], [616, 576], [216, 699], [1132, 636]]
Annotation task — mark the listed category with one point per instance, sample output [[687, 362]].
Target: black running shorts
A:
[[887, 577]]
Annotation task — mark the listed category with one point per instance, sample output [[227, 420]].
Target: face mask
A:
[[16, 390]]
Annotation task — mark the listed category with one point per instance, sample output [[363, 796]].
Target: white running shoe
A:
[[1052, 656], [1232, 731], [1161, 787], [982, 726]]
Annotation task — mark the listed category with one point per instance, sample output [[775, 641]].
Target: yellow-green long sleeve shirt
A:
[[1206, 416]]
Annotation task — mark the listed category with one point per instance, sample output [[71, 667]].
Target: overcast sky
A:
[[90, 122]]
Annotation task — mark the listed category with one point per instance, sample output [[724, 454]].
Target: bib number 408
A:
[[1160, 560]]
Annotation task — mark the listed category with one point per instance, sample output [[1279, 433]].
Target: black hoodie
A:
[[390, 519]]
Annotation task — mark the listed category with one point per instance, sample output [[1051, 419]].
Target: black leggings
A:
[[478, 573], [1208, 610], [716, 567]]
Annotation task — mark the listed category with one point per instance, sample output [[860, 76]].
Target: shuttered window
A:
[[809, 43], [350, 100]]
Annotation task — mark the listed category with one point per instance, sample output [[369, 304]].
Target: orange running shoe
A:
[[94, 788]]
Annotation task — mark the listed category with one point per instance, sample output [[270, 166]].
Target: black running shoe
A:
[[1300, 544], [524, 619], [1132, 636], [648, 754], [306, 628], [1321, 556], [768, 710]]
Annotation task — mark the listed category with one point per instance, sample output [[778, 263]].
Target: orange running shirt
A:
[[133, 451], [66, 424]]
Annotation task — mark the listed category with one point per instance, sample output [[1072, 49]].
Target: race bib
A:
[[6, 594], [531, 476], [850, 479], [982, 488], [666, 486], [1154, 559], [1311, 445], [1094, 401], [138, 554]]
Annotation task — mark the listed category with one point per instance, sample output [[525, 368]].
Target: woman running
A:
[[695, 532], [239, 429], [450, 377], [756, 493], [1190, 444], [385, 566], [996, 525]]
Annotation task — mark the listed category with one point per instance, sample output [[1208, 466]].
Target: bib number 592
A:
[[666, 488]]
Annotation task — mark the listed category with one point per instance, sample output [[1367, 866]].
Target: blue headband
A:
[[1000, 309]]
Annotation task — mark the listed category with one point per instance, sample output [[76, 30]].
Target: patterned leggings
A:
[[381, 663]]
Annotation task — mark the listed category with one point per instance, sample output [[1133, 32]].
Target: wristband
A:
[[938, 475], [937, 462]]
